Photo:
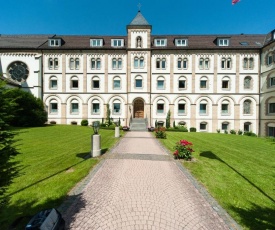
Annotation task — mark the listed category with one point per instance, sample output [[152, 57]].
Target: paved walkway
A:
[[139, 186]]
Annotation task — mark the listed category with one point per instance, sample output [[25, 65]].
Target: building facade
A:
[[209, 82]]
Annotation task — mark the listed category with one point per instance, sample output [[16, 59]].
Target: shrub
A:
[[182, 128], [225, 132], [160, 132], [240, 132], [84, 123], [183, 150], [193, 129], [218, 130], [251, 134], [73, 123], [232, 131]]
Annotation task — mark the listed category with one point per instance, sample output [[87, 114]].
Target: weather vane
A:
[[139, 6]]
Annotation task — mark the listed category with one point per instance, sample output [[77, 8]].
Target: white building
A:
[[209, 82]]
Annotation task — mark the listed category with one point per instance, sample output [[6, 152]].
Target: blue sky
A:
[[109, 17]]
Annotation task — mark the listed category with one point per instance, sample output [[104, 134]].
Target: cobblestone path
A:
[[139, 186]]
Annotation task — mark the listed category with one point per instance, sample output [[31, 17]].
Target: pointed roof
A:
[[139, 20]]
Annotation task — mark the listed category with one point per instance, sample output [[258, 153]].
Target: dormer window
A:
[[160, 42], [181, 42], [54, 42], [117, 42], [96, 42], [223, 42]]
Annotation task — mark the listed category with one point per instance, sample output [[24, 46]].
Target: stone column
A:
[[96, 142]]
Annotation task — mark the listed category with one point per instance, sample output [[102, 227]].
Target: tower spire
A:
[[139, 7]]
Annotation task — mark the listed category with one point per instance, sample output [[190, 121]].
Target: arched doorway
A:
[[138, 108]]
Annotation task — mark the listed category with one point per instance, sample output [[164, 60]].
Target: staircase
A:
[[138, 124]]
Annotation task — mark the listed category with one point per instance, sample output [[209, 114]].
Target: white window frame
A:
[[117, 42], [160, 42], [161, 79], [54, 42], [184, 80], [96, 42], [181, 102], [272, 81], [116, 102], [116, 79], [52, 104], [223, 41], [181, 42], [74, 102]]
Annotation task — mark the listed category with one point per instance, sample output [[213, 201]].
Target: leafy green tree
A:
[[29, 110], [8, 168], [168, 117]]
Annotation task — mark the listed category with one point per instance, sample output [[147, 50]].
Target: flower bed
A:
[[183, 150]]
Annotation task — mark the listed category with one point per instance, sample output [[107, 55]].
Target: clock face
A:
[[18, 71]]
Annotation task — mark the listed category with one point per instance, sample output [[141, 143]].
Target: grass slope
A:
[[52, 161], [238, 171]]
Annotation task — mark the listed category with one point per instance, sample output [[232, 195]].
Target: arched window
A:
[[226, 63], [247, 127], [269, 58], [138, 82], [160, 83], [247, 107], [116, 63], [74, 106], [50, 63], [203, 107], [160, 107], [95, 63], [182, 83], [245, 63], [247, 83], [161, 63], [95, 82], [225, 126], [225, 107], [203, 82], [74, 82], [116, 83], [204, 63], [203, 126], [53, 106], [182, 63], [181, 107], [226, 83], [251, 63], [95, 106], [53, 82], [138, 62], [77, 63], [116, 107], [74, 63]]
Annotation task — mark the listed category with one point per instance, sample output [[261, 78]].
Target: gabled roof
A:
[[139, 20]]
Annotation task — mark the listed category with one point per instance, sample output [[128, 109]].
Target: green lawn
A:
[[238, 171], [51, 162]]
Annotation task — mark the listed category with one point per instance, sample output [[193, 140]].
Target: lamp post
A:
[[117, 134], [95, 139]]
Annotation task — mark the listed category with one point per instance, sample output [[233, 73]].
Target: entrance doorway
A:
[[138, 109]]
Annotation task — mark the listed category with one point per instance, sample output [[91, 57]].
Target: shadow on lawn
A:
[[256, 217], [211, 155]]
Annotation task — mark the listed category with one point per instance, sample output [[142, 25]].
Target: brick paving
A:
[[138, 185]]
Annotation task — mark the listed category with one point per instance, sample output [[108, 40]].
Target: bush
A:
[[183, 150], [84, 123], [232, 131], [160, 132], [29, 110], [240, 132], [218, 130], [73, 123], [225, 132], [193, 129], [251, 134]]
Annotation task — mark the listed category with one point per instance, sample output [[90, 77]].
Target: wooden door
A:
[[138, 109]]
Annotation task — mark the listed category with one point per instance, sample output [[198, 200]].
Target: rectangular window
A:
[[116, 107], [119, 63], [202, 108], [272, 81], [181, 42], [225, 84], [138, 83], [181, 108], [96, 42], [117, 42], [223, 42], [53, 84], [246, 127], [202, 126], [53, 108], [160, 84], [160, 42], [50, 63], [74, 107], [95, 108], [224, 108], [203, 84], [116, 84], [160, 108], [55, 63], [75, 84], [54, 42], [181, 84], [95, 84], [271, 107], [224, 126]]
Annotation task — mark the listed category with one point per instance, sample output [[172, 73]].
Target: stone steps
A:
[[138, 124]]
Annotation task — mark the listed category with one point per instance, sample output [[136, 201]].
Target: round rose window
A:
[[18, 71]]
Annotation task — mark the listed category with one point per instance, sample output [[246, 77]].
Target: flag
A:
[[235, 1]]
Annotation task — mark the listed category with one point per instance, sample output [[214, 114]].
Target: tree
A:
[[28, 112], [168, 119], [7, 150]]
